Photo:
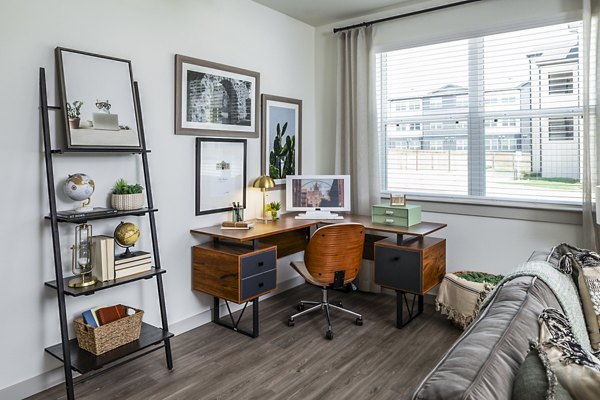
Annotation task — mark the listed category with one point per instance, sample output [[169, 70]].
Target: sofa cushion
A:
[[532, 383], [483, 362]]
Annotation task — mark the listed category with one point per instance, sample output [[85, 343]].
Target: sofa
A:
[[483, 362]]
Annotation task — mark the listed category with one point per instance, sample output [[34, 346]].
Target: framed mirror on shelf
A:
[[220, 174], [97, 96]]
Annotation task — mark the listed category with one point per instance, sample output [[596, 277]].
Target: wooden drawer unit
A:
[[234, 273], [396, 215], [415, 267]]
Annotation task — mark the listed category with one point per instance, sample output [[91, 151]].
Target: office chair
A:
[[332, 259]]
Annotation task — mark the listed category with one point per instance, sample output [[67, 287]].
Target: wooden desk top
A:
[[288, 223]]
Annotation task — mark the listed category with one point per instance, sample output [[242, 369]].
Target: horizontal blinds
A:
[[497, 116]]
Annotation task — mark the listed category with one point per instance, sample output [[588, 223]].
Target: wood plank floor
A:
[[373, 361]]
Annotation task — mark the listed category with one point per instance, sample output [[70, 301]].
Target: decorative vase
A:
[[126, 202], [74, 123]]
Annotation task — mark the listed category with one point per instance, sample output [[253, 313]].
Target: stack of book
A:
[[99, 316], [237, 225], [103, 257], [138, 261]]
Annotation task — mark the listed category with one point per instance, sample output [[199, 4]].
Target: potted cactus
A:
[[73, 113], [273, 207], [127, 197]]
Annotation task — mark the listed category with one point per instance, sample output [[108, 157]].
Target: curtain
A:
[[356, 134], [591, 238]]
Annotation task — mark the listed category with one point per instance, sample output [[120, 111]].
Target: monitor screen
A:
[[324, 192]]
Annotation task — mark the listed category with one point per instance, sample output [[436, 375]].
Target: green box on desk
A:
[[396, 215]]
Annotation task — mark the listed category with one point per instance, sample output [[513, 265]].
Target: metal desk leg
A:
[[216, 318], [400, 304]]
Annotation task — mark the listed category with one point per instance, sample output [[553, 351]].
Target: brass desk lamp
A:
[[263, 183]]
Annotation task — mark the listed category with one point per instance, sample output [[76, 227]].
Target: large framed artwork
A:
[[220, 175], [281, 138], [97, 97], [214, 99]]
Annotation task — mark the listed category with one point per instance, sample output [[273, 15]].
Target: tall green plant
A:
[[282, 159]]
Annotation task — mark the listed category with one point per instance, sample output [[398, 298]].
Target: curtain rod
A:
[[460, 3]]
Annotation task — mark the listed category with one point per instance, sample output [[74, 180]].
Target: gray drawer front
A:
[[398, 269], [258, 284], [258, 263]]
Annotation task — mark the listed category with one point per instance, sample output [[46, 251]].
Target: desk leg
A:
[[401, 302], [216, 318]]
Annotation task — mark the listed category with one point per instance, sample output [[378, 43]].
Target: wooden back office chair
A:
[[332, 259]]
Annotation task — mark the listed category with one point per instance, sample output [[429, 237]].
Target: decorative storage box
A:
[[396, 215], [110, 336]]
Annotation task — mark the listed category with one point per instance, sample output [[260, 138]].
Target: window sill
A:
[[527, 211]]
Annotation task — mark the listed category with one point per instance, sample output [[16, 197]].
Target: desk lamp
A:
[[264, 182]]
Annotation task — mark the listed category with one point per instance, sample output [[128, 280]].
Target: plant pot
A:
[[74, 123], [274, 216], [126, 202]]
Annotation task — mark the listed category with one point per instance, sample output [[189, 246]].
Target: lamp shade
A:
[[263, 182]]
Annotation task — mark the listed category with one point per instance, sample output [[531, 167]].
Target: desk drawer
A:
[[258, 263], [258, 284], [398, 269], [389, 220]]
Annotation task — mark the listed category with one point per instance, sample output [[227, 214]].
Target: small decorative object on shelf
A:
[[73, 112], [238, 212], [397, 199], [127, 197], [80, 187], [82, 257], [126, 234], [273, 207]]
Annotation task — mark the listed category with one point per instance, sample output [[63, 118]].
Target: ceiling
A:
[[322, 12]]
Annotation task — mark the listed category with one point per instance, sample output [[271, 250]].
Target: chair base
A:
[[325, 305]]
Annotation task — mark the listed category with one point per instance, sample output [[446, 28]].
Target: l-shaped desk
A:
[[240, 265]]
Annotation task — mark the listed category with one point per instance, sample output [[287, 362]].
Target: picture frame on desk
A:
[[220, 174], [214, 99], [281, 139], [97, 100]]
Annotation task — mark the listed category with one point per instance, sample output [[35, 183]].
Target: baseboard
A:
[[56, 376]]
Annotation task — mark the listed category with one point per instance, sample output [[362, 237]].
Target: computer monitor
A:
[[323, 193]]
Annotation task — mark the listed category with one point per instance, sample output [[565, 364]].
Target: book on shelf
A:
[[106, 315], [103, 257], [237, 225], [95, 212], [133, 270], [135, 255], [90, 318], [134, 263]]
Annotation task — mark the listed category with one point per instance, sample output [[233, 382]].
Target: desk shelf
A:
[[118, 214]]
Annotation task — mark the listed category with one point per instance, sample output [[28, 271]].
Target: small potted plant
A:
[[73, 113], [273, 207], [127, 197]]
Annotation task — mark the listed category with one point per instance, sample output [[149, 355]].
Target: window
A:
[[512, 137], [560, 83]]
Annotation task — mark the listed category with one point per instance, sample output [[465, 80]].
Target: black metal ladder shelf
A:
[[151, 337]]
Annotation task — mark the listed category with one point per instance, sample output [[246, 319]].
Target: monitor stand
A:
[[318, 214]]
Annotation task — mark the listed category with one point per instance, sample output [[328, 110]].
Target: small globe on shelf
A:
[[126, 235], [80, 187]]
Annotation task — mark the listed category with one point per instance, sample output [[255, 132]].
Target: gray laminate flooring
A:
[[373, 361]]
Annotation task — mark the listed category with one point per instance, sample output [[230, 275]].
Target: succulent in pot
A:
[[73, 112], [127, 197]]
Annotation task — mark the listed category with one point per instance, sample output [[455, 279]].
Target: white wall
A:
[[148, 32], [486, 244]]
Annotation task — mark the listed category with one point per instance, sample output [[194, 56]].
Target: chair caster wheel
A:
[[300, 307], [339, 304], [359, 321], [329, 335], [291, 322]]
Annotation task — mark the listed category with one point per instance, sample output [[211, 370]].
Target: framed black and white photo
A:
[[214, 99], [281, 153], [97, 97], [220, 174]]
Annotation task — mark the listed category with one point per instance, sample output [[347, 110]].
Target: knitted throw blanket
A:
[[563, 288]]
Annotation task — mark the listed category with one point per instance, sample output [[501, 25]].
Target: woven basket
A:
[[110, 336], [126, 202]]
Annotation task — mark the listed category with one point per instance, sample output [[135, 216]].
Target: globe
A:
[[79, 187], [126, 234]]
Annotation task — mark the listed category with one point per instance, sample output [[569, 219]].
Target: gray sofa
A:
[[483, 362]]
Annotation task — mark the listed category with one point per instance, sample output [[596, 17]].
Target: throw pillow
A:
[[534, 382], [577, 370], [592, 321]]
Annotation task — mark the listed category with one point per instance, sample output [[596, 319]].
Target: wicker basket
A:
[[110, 336], [126, 202]]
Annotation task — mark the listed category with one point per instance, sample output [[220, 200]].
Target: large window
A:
[[500, 116]]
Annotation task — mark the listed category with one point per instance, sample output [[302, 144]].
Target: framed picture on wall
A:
[[220, 174], [97, 97], [281, 138], [215, 99]]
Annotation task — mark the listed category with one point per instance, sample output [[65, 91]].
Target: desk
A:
[[240, 265]]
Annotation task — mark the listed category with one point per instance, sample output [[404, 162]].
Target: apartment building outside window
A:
[[501, 119]]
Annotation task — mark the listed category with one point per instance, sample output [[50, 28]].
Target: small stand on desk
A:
[[318, 214]]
